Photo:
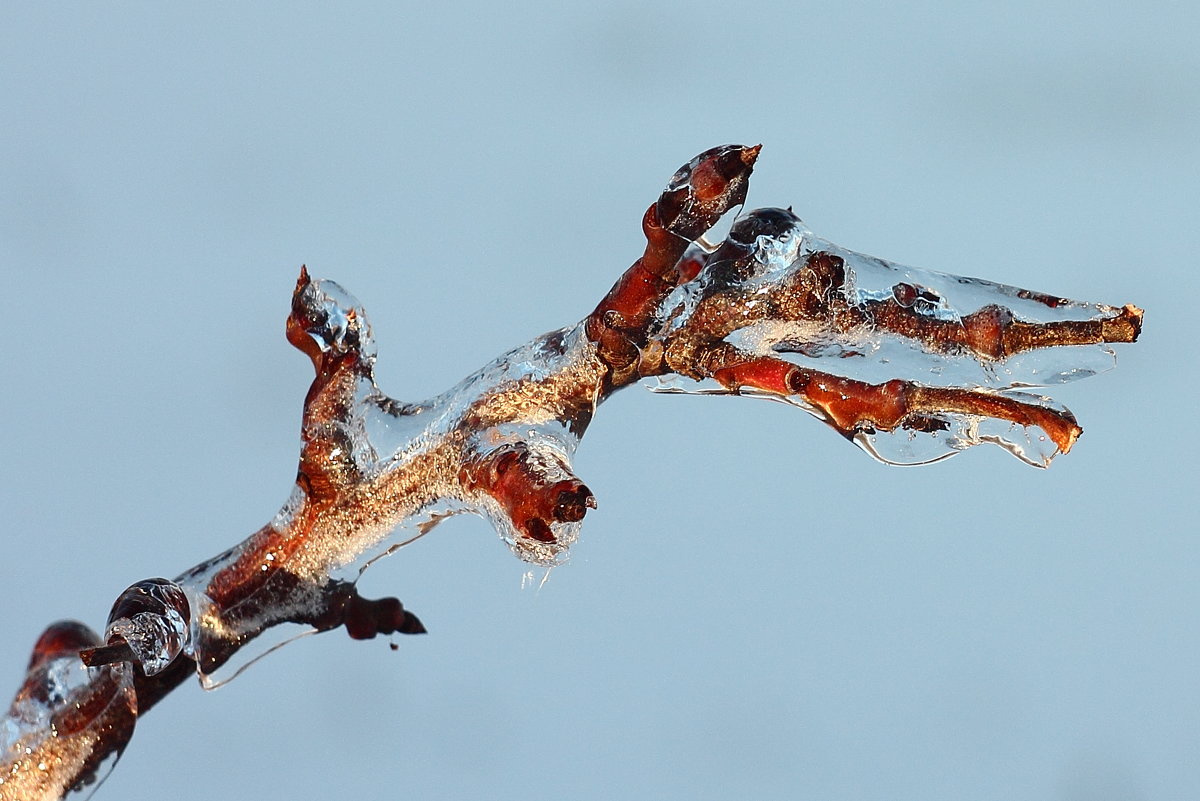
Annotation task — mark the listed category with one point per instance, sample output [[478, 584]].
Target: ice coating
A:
[[333, 321], [873, 352], [853, 326], [950, 298], [149, 624], [68, 723], [498, 444], [910, 364]]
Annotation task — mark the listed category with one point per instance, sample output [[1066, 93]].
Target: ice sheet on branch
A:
[[802, 299], [68, 724], [497, 444]]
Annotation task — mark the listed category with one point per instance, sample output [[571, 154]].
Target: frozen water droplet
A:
[[155, 639], [152, 617]]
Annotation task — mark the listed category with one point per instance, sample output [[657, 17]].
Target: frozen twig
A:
[[912, 365]]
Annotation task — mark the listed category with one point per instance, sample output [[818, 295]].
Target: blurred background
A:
[[757, 609]]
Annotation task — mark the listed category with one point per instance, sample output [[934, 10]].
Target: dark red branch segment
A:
[[991, 332], [852, 406], [364, 618], [534, 492], [696, 198]]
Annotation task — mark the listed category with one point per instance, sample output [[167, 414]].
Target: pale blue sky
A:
[[756, 610]]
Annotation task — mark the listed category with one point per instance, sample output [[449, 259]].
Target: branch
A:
[[911, 365]]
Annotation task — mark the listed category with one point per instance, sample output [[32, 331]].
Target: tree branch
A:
[[912, 365]]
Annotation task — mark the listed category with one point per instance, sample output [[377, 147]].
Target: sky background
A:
[[757, 609]]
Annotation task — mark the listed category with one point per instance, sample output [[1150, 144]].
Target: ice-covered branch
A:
[[912, 365]]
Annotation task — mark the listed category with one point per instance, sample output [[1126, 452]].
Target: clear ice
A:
[[68, 724], [866, 351], [414, 455]]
